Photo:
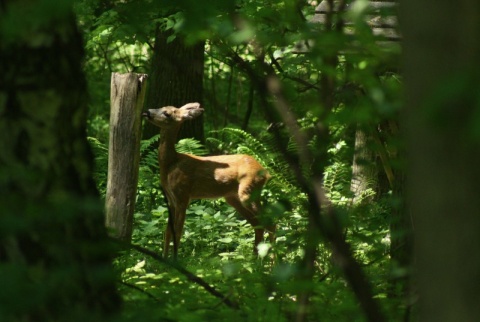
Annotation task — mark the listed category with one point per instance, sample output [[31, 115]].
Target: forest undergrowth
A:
[[217, 244]]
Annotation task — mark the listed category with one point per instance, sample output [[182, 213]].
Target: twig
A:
[[307, 84], [140, 290], [190, 276], [327, 225]]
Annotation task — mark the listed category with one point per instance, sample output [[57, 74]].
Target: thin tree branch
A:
[[294, 78], [328, 226], [248, 113], [189, 275], [229, 96], [214, 90], [383, 153], [135, 287]]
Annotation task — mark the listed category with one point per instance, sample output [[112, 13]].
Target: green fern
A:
[[191, 146], [148, 149], [239, 141], [149, 143], [100, 152], [148, 152]]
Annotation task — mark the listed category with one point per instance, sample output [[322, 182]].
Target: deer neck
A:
[[167, 155]]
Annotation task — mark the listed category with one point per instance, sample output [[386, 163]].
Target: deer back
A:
[[213, 176]]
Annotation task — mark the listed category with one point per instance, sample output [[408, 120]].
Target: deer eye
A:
[[166, 114]]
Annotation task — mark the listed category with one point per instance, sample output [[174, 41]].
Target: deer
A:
[[238, 178]]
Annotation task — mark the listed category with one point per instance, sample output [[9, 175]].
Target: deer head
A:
[[170, 116]]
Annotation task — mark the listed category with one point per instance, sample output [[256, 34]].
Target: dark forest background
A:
[[366, 114]]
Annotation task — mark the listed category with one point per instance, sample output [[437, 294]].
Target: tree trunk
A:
[[248, 113], [176, 78], [441, 118], [364, 171], [55, 258], [127, 93]]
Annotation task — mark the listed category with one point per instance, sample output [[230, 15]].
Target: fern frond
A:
[[148, 152], [100, 152], [191, 146], [99, 148], [149, 143]]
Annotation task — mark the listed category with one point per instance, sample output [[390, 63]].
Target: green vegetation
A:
[[216, 246], [324, 94]]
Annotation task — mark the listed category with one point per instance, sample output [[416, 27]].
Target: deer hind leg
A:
[[271, 229], [249, 195], [168, 237]]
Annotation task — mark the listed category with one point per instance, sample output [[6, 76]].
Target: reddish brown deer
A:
[[237, 178]]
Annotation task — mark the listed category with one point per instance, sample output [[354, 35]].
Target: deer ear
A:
[[189, 106], [190, 111]]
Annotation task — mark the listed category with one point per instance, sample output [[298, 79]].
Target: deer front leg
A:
[[170, 230], [174, 229], [250, 215], [179, 216]]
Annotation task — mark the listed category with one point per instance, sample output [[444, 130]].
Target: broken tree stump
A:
[[126, 103]]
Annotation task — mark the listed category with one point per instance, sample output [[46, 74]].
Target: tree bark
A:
[[364, 171], [55, 258], [441, 119], [248, 113], [176, 78], [127, 94]]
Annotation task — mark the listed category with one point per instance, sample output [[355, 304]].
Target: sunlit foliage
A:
[[216, 246]]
